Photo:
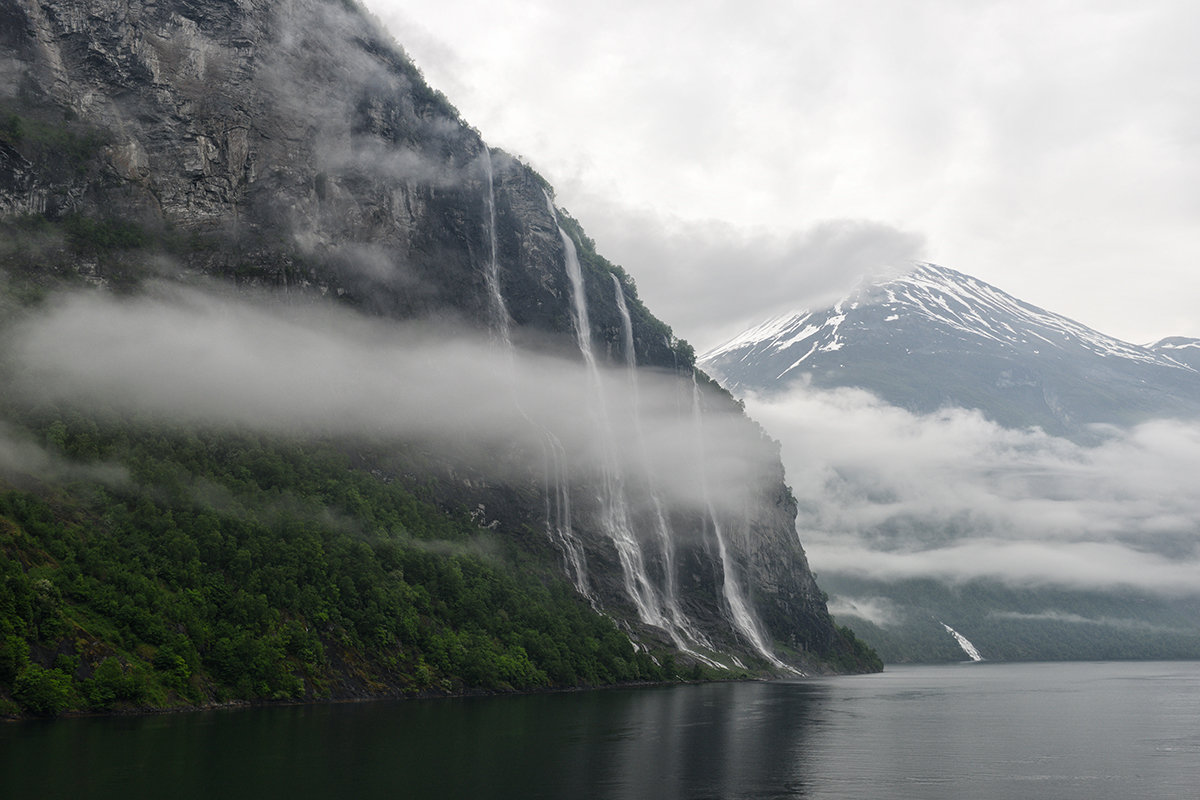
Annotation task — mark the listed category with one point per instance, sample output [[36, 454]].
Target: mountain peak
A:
[[936, 337]]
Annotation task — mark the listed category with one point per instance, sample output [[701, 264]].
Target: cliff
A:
[[290, 149]]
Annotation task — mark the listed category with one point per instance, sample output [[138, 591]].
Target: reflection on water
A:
[[984, 731]]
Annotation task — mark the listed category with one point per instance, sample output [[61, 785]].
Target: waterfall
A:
[[963, 642], [558, 501], [615, 516], [499, 311], [739, 609], [682, 632], [558, 511], [626, 330], [656, 606], [680, 627]]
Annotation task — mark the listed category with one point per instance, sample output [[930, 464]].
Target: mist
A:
[[186, 356], [892, 495], [22, 459]]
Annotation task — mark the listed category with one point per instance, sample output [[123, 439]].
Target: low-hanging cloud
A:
[[892, 495], [878, 610], [22, 460], [197, 357], [1069, 618]]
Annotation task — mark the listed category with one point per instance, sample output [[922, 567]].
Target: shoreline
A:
[[242, 705]]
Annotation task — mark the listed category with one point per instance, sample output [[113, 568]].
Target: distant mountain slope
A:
[[937, 338]]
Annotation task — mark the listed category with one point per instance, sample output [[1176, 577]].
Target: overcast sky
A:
[[777, 151]]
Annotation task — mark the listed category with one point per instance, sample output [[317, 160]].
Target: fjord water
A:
[[1065, 730]]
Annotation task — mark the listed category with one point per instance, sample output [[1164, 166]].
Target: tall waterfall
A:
[[739, 609], [556, 480], [680, 629], [614, 507]]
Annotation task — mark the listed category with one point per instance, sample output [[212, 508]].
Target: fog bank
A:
[[194, 357], [895, 495]]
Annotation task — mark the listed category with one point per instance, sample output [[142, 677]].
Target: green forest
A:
[[164, 567]]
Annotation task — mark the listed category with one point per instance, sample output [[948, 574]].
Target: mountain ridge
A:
[[981, 347]]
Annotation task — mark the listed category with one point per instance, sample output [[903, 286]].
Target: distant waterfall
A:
[[739, 608], [680, 628], [558, 501], [615, 516], [968, 648]]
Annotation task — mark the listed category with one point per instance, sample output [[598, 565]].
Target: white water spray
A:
[[968, 648]]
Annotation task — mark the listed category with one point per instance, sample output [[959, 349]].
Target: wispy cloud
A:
[[22, 459], [893, 495], [202, 358], [877, 610], [1070, 618]]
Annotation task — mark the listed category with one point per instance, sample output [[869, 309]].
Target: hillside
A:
[[308, 392]]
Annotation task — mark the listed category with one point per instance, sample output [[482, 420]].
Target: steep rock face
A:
[[299, 146], [289, 145]]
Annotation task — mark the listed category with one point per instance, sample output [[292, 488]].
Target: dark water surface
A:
[[1090, 730]]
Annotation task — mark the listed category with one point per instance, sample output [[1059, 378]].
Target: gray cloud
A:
[[889, 494], [200, 358], [370, 156]]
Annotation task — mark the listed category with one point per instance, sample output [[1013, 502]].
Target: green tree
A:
[[42, 691]]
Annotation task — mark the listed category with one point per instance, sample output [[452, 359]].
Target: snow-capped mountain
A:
[[936, 337]]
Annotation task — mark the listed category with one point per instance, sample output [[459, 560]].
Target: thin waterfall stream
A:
[[739, 609], [556, 479]]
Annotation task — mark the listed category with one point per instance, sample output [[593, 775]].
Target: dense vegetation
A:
[[164, 567]]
